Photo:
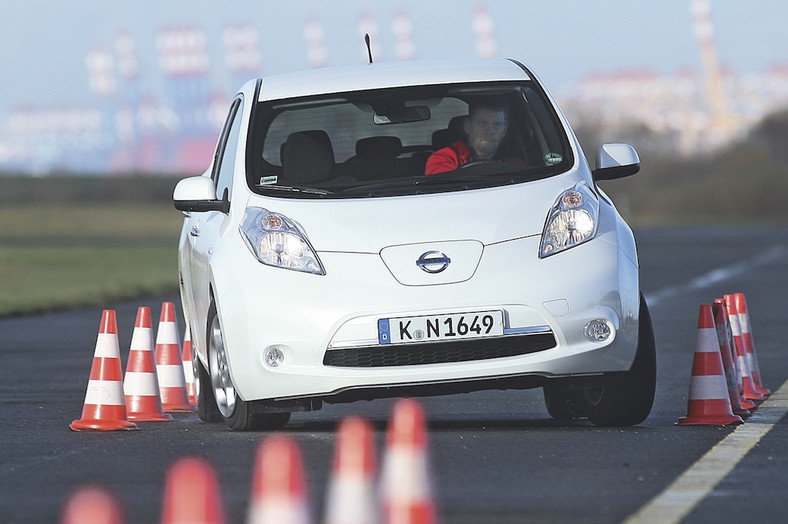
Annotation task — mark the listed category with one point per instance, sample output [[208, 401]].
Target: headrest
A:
[[379, 147], [308, 157], [454, 131]]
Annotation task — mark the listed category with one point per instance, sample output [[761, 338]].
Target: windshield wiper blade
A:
[[515, 175], [417, 185], [456, 180], [383, 187], [297, 189]]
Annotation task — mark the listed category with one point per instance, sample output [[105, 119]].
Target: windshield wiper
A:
[[514, 173], [425, 184], [385, 187], [457, 180], [297, 189]]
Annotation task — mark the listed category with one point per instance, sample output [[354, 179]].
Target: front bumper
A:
[[313, 319]]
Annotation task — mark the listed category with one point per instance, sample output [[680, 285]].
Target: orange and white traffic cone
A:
[[169, 365], [724, 338], [92, 504], [278, 486], [188, 370], [140, 385], [406, 491], [105, 408], [351, 497], [749, 343], [737, 363], [708, 402], [191, 494], [742, 361]]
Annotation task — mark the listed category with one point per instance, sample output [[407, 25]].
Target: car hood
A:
[[485, 216]]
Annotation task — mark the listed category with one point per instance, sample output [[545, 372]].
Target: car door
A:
[[204, 228]]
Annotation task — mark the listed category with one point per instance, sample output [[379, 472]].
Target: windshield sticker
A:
[[553, 158], [268, 180]]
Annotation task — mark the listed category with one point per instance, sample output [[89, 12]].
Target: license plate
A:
[[440, 327]]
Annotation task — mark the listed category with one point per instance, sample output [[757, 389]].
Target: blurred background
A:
[[143, 86], [109, 103]]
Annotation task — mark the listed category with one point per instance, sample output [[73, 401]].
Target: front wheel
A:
[[626, 398], [562, 401], [238, 414], [206, 403]]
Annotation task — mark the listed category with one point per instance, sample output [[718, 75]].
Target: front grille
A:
[[439, 352]]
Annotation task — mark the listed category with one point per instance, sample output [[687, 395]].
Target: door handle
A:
[[194, 231]]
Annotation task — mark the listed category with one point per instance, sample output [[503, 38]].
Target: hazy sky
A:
[[44, 42]]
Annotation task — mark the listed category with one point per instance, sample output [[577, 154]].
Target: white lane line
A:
[[697, 482], [718, 275]]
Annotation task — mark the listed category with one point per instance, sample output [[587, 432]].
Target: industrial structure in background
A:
[[131, 131], [686, 112]]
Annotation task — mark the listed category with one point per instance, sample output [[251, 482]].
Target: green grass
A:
[[43, 278], [60, 255]]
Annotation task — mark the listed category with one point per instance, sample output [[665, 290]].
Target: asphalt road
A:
[[495, 456]]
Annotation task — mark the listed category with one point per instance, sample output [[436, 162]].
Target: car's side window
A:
[[226, 150]]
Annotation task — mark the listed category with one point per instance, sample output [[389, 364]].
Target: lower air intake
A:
[[439, 352]]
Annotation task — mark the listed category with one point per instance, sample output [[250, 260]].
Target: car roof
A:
[[387, 74]]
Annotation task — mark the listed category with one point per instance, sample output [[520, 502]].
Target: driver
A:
[[485, 127]]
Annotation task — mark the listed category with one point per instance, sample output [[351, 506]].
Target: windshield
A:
[[404, 141]]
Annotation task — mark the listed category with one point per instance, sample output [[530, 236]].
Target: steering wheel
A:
[[479, 163]]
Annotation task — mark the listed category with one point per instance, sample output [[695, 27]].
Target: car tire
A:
[[206, 403], [238, 414], [245, 418], [562, 402], [625, 399]]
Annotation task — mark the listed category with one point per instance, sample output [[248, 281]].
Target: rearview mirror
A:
[[400, 114], [615, 161], [198, 194]]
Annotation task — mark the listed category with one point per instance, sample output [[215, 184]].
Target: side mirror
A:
[[198, 194], [615, 161]]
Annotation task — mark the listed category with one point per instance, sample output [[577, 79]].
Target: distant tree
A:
[[771, 134]]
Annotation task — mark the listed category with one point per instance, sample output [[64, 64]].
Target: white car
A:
[[319, 263]]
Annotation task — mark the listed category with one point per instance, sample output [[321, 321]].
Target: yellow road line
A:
[[697, 482]]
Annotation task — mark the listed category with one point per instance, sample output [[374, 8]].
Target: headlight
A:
[[571, 221], [277, 241]]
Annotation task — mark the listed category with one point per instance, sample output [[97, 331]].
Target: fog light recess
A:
[[274, 356], [598, 330]]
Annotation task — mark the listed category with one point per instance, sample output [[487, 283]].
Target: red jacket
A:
[[448, 158]]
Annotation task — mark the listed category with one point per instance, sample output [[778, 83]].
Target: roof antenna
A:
[[369, 47]]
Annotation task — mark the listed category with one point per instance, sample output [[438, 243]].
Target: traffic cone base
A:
[[750, 393], [103, 418], [710, 412]]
